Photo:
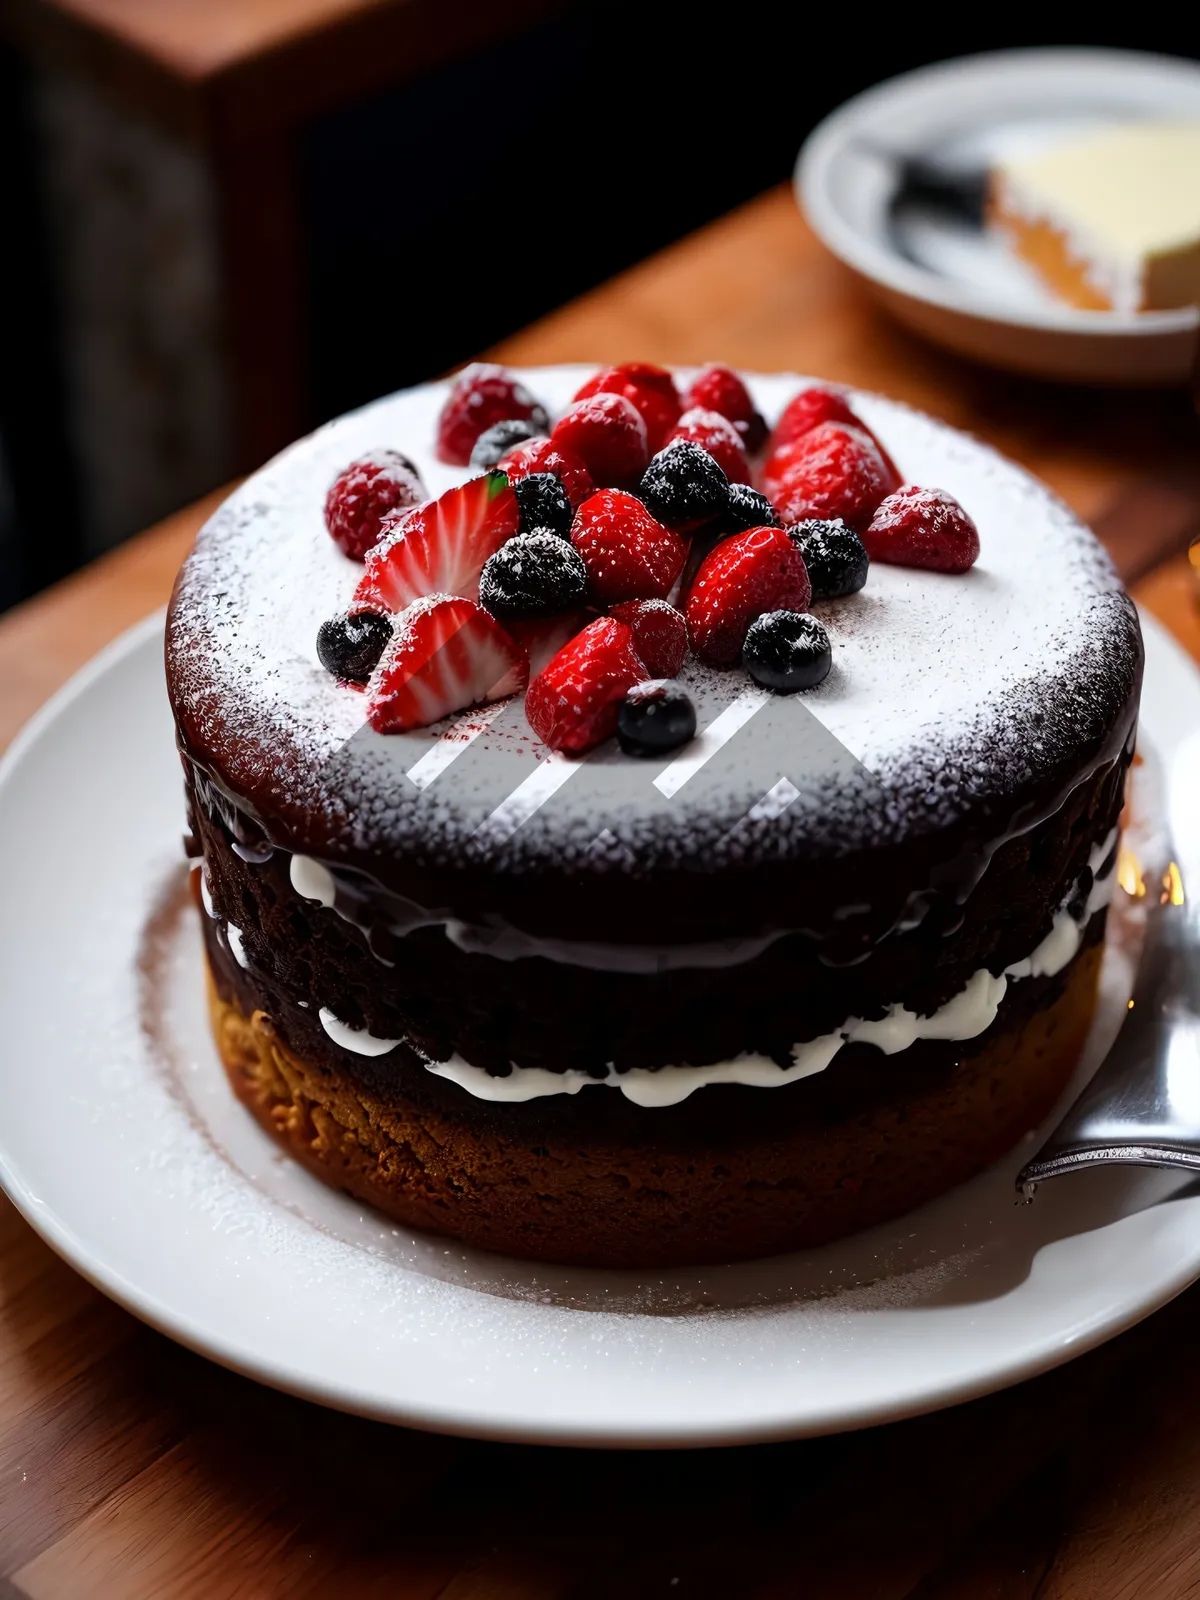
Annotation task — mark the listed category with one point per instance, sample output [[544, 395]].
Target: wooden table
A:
[[130, 1468]]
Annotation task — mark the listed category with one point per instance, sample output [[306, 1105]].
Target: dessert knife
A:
[[1142, 1107]]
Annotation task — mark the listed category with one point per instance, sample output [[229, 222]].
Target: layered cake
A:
[[1110, 219], [628, 835]]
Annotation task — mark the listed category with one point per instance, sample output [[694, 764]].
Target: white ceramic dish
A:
[[122, 1145], [962, 288]]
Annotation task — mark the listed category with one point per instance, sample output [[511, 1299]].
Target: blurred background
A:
[[230, 219]]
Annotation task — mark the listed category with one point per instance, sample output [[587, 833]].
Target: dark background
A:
[[443, 216]]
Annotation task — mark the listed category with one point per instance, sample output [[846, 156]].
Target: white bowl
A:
[[961, 288]]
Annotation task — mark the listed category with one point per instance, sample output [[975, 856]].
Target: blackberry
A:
[[497, 440], [684, 486], [836, 559], [786, 651], [655, 717], [350, 647], [746, 508], [534, 575], [543, 503]]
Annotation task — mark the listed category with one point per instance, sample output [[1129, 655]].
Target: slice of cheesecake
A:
[[1110, 220]]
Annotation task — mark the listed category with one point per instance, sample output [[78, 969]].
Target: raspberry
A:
[[482, 395], [607, 433], [714, 433], [752, 572], [365, 495], [923, 528], [720, 389], [652, 390], [659, 634], [628, 555], [527, 460], [573, 702], [835, 471]]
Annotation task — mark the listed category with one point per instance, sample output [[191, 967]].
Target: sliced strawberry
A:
[[445, 654], [923, 528], [659, 634], [573, 703], [652, 390], [716, 434], [835, 471], [741, 578], [482, 395], [628, 555], [720, 389], [441, 547], [607, 433], [543, 455]]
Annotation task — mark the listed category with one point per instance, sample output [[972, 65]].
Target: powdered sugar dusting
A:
[[948, 691]]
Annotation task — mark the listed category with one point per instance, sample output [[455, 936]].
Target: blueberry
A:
[[746, 508], [533, 575], [543, 503], [835, 557], [350, 647], [684, 486], [497, 440], [655, 717], [786, 651]]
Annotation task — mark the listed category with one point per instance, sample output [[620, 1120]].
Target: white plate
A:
[[123, 1146], [962, 288]]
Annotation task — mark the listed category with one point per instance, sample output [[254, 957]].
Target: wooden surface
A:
[[130, 1468]]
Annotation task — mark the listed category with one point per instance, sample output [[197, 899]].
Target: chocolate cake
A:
[[794, 975]]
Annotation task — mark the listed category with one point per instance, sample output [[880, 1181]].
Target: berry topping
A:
[[759, 570], [836, 559], [534, 575], [712, 432], [659, 634], [628, 555], [835, 471], [365, 494], [651, 389], [746, 508], [923, 528], [653, 718], [786, 651], [684, 486], [441, 547], [720, 389], [544, 503], [350, 647], [446, 654], [501, 436], [530, 460], [573, 703], [807, 410], [607, 433], [482, 395]]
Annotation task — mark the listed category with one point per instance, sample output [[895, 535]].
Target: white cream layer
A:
[[968, 1014]]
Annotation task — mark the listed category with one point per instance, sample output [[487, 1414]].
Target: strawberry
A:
[[807, 410], [543, 455], [717, 435], [741, 578], [628, 555], [659, 634], [441, 547], [543, 637], [573, 703], [720, 389], [652, 390], [445, 654], [366, 495], [837, 470], [607, 433], [922, 528], [481, 396]]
